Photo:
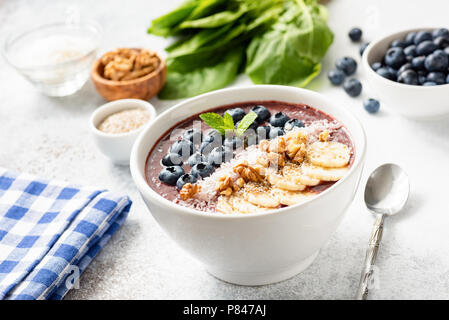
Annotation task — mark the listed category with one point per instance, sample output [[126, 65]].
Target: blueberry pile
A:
[[421, 58], [347, 66], [203, 153]]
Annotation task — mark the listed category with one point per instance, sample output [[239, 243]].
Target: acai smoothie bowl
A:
[[251, 181]]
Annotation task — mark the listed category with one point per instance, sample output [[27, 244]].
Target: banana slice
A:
[[295, 173], [324, 174], [290, 198], [237, 204], [224, 205], [286, 183], [265, 200], [328, 154]]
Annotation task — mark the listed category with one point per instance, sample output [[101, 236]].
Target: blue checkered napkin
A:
[[49, 233]]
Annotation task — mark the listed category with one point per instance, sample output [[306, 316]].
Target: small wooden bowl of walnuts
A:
[[127, 73]]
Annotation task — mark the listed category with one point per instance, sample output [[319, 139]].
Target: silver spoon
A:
[[386, 193]]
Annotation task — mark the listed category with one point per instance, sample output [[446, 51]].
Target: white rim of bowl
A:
[[111, 105], [91, 24], [391, 82], [144, 188]]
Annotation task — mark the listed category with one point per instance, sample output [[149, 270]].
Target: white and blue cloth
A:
[[49, 233]]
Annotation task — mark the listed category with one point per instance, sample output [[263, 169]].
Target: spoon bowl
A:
[[387, 189]]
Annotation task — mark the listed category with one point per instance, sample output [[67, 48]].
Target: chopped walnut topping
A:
[[276, 159], [296, 152], [189, 190], [127, 64], [277, 145], [240, 182], [324, 136], [247, 172], [264, 145], [225, 186], [297, 136]]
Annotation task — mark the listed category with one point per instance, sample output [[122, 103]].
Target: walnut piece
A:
[[127, 64], [248, 173], [277, 145], [226, 186], [189, 190]]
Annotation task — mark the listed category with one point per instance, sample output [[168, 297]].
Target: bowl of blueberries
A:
[[410, 71]]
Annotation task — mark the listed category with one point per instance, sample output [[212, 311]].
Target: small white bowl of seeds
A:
[[116, 125]]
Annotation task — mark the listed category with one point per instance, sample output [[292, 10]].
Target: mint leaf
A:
[[214, 120], [245, 123], [228, 122]]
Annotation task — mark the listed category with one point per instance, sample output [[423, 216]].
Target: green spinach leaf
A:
[[290, 52], [194, 74]]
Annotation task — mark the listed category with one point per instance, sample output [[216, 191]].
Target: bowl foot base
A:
[[262, 278]]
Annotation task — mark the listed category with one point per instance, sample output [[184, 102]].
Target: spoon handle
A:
[[370, 258]]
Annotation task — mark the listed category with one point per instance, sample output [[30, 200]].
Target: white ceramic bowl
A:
[[117, 147], [260, 248], [416, 102]]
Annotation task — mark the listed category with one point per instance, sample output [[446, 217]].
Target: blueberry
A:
[[196, 158], [447, 79], [386, 73], [443, 32], [395, 57], [219, 155], [421, 36], [363, 47], [263, 114], [347, 65], [418, 63], [355, 34], [185, 178], [426, 47], [371, 105], [252, 127], [437, 61], [263, 133], [437, 77], [336, 77], [202, 169], [422, 79], [409, 38], [441, 42], [207, 147], [292, 123], [276, 132], [404, 67], [212, 140], [233, 142], [170, 175], [353, 87], [213, 135], [398, 43], [194, 135], [183, 147], [237, 114], [172, 159], [446, 50], [376, 66], [249, 139], [279, 119], [408, 77], [392, 70], [429, 84], [410, 51]]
